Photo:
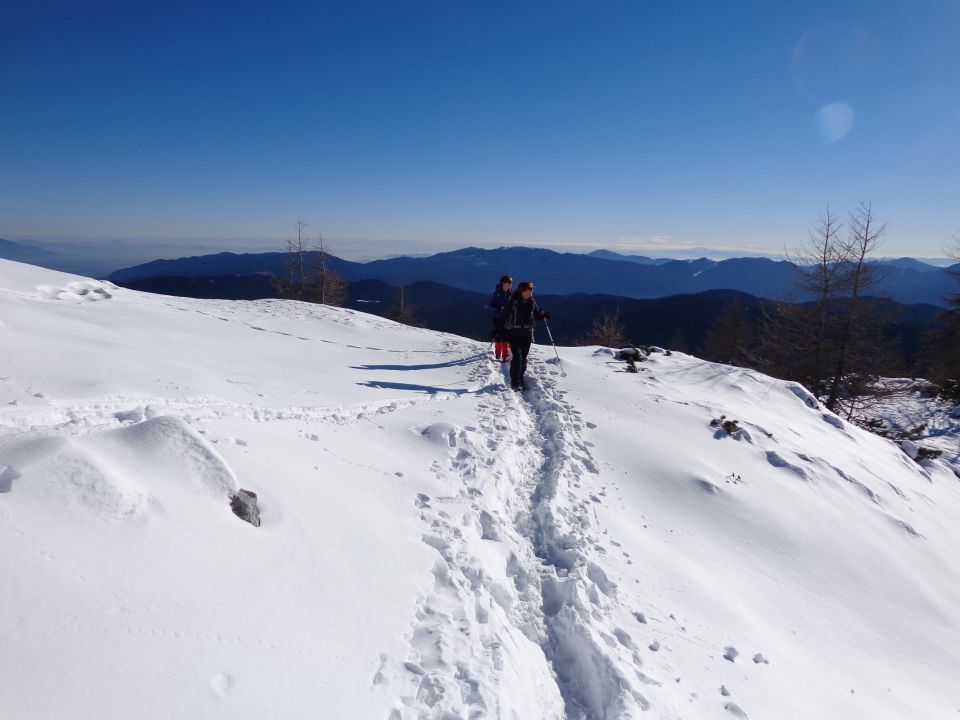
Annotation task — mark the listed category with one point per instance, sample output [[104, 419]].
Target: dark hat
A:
[[506, 279], [525, 285]]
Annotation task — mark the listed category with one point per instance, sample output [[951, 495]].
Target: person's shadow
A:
[[432, 366], [430, 389]]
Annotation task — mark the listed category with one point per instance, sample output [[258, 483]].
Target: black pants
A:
[[497, 333], [519, 348]]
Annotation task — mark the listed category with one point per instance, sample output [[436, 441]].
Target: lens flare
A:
[[834, 122]]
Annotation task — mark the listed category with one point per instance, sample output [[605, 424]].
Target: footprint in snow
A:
[[833, 420], [422, 501], [804, 395], [440, 433], [736, 711], [222, 684], [707, 486], [624, 638], [777, 461]]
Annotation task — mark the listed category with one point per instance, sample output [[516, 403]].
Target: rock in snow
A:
[[244, 506]]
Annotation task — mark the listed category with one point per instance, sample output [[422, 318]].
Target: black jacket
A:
[[520, 314]]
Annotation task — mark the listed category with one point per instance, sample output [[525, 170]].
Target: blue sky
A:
[[394, 127]]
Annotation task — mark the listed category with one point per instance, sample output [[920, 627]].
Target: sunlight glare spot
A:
[[834, 122]]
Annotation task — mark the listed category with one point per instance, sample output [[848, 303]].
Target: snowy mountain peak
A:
[[692, 540]]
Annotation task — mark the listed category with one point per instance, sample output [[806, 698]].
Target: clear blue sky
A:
[[638, 126]]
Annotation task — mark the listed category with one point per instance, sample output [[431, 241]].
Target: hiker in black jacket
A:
[[518, 318], [496, 306]]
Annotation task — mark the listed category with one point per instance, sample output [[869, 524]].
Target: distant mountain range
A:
[[602, 272], [907, 280], [24, 252], [680, 322], [640, 259]]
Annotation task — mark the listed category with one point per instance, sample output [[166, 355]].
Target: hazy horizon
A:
[[105, 256]]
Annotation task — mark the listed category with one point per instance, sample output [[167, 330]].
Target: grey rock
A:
[[244, 506]]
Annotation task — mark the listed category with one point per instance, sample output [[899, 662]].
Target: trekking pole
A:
[[563, 373]]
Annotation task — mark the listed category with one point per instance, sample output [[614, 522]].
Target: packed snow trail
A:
[[576, 592], [550, 591]]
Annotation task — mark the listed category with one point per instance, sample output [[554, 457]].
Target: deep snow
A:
[[434, 546]]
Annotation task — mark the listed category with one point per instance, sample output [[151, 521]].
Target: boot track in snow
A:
[[518, 473]]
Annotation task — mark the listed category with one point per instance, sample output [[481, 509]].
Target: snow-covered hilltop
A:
[[434, 546]]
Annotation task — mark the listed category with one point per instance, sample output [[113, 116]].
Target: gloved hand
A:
[[546, 316]]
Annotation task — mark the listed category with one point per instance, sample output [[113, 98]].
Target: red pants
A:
[[501, 349]]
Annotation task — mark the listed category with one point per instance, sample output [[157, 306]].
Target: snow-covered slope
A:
[[433, 546]]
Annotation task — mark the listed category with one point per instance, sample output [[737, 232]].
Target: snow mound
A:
[[119, 473], [82, 291]]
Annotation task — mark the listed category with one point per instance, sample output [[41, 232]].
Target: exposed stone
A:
[[244, 506]]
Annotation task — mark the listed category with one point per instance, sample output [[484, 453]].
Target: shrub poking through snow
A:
[[878, 427], [918, 453], [728, 426], [946, 390], [924, 453]]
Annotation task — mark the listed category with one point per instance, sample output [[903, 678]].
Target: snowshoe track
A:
[[531, 580]]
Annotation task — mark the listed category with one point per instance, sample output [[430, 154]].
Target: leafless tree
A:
[[859, 277], [328, 286], [823, 277], [796, 337], [294, 283], [834, 341], [678, 340], [730, 335], [403, 311], [308, 274], [945, 345], [607, 330]]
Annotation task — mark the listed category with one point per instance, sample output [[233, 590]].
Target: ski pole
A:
[[563, 373]]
